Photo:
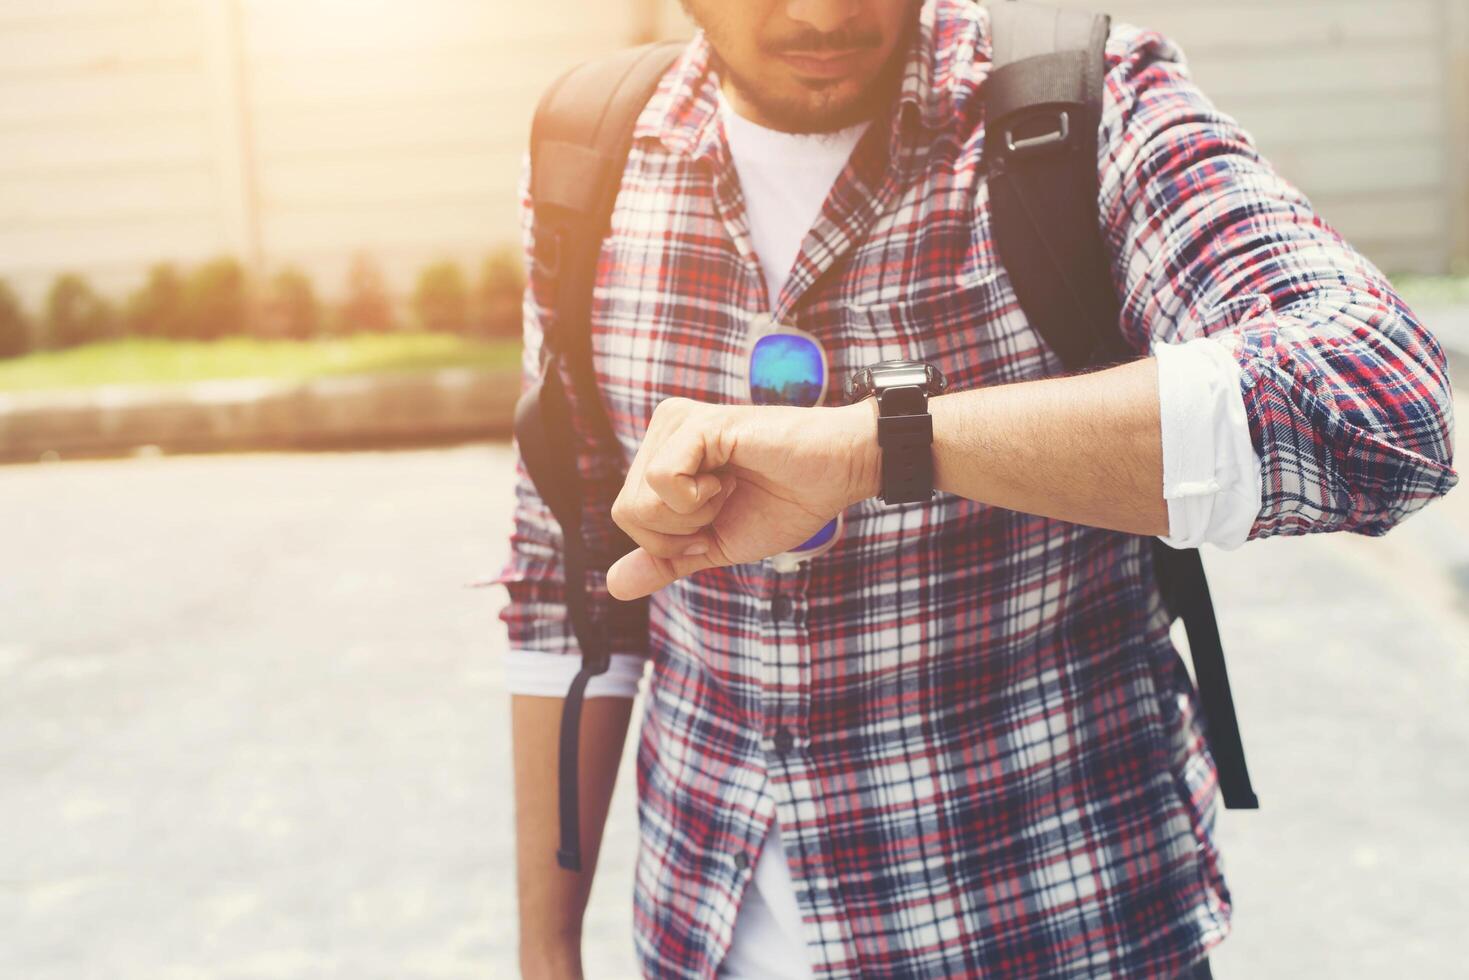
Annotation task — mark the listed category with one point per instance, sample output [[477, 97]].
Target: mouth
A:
[[824, 64]]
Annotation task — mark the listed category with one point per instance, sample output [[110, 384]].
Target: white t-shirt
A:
[[1211, 482]]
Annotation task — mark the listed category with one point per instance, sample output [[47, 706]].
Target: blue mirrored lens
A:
[[786, 370], [820, 538]]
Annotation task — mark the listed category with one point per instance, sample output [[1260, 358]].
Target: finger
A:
[[670, 522], [681, 493], [661, 545], [651, 514], [708, 546], [674, 473], [638, 573]]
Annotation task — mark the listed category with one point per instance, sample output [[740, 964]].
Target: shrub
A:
[[75, 314], [157, 308], [291, 309], [367, 306], [216, 301], [500, 294], [15, 329], [441, 300]]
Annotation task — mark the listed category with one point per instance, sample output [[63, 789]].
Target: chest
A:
[[889, 268]]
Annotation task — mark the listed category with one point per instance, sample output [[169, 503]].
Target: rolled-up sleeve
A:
[[1346, 393], [1211, 472], [535, 615]]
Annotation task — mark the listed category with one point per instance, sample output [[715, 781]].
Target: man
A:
[[958, 742]]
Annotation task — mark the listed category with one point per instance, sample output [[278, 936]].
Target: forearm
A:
[[1084, 448], [552, 900]]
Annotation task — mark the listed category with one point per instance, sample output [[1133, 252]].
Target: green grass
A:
[[1433, 292], [153, 361]]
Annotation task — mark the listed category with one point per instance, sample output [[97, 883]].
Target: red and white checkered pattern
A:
[[991, 760]]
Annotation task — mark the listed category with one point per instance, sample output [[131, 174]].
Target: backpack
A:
[[1043, 106]]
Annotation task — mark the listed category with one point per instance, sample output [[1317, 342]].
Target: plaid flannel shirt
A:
[[983, 750]]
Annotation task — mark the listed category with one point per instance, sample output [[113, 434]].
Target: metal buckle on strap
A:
[[1059, 135]]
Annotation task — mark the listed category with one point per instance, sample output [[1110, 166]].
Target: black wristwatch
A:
[[904, 427]]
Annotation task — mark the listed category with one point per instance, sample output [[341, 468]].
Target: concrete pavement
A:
[[252, 724]]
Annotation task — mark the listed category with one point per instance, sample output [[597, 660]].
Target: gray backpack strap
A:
[[1023, 30], [1043, 105]]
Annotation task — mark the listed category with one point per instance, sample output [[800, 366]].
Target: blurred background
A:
[[252, 721]]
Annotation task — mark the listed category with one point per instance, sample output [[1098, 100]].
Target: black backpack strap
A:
[[1190, 600], [1043, 107], [580, 139]]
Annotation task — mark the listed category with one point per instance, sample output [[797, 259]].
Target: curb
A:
[[352, 411]]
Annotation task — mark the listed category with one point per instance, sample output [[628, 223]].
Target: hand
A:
[[716, 485]]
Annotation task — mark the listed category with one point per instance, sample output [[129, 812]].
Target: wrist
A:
[[860, 424]]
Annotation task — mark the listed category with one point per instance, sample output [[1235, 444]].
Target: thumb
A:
[[639, 573]]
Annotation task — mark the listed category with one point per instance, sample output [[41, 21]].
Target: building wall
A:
[[283, 131], [1364, 104], [300, 131], [1350, 99], [108, 156]]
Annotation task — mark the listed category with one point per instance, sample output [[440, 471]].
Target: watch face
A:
[[895, 374], [888, 374]]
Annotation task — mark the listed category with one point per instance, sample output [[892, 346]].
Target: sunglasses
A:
[[787, 366]]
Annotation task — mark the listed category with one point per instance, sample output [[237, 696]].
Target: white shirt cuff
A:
[[550, 674], [1211, 472]]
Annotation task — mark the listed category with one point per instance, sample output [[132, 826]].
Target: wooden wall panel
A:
[[398, 127], [109, 164], [1346, 97], [401, 133]]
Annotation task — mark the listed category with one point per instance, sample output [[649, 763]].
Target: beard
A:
[[820, 106], [813, 105]]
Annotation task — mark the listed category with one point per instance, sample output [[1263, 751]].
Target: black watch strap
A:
[[905, 436], [907, 458], [904, 427]]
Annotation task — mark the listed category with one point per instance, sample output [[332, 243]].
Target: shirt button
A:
[[741, 861], [784, 740], [780, 608]]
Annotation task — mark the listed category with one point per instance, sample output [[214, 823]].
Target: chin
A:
[[823, 107]]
